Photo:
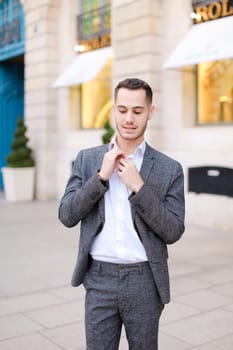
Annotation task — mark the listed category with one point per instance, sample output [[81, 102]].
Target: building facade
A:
[[76, 51]]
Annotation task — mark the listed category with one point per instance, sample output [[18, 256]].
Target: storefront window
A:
[[215, 92], [11, 23], [94, 33], [96, 99], [94, 22]]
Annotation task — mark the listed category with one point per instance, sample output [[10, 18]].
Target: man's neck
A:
[[128, 146]]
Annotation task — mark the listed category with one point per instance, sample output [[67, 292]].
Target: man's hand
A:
[[129, 174], [109, 163]]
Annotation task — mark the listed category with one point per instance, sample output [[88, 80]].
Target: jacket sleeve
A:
[[165, 217], [80, 196]]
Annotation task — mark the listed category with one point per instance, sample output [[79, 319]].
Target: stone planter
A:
[[19, 184]]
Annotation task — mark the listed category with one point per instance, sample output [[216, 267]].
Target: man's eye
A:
[[137, 112], [122, 110]]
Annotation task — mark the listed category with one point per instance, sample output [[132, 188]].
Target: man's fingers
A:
[[109, 162], [119, 154]]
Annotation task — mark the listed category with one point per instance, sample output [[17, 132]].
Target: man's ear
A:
[[151, 111]]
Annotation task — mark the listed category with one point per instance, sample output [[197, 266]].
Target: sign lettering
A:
[[214, 10]]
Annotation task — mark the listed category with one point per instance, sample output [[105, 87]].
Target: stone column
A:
[[137, 44], [40, 99]]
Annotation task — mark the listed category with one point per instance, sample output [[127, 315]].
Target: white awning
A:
[[85, 67], [208, 41]]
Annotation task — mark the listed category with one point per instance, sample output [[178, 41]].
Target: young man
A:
[[130, 201]]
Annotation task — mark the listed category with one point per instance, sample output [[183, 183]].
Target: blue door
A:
[[11, 105]]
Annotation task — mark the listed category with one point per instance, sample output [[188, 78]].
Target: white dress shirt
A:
[[118, 242]]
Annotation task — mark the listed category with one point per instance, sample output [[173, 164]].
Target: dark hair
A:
[[134, 84]]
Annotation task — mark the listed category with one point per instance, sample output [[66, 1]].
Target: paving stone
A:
[[16, 325], [204, 300], [176, 311], [54, 316], [57, 277], [20, 284], [225, 343], [167, 342], [225, 289], [70, 336], [123, 343], [37, 260], [29, 342], [202, 328], [217, 275], [184, 285], [2, 295], [69, 293], [214, 260], [229, 307], [27, 302], [183, 269]]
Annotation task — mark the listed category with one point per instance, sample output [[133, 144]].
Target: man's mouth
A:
[[129, 128]]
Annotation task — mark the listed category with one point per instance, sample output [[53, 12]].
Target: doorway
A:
[[11, 103]]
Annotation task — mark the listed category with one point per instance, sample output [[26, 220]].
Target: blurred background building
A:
[[60, 61]]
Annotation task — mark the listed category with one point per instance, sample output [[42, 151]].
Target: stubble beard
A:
[[132, 137]]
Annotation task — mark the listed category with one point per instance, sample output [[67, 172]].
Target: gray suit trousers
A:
[[121, 294]]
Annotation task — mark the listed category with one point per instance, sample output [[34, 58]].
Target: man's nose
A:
[[129, 117]]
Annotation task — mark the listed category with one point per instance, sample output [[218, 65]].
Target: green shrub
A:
[[21, 155], [106, 138]]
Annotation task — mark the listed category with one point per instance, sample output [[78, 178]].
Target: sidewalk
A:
[[39, 310]]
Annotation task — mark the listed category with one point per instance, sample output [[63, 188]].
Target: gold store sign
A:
[[212, 10]]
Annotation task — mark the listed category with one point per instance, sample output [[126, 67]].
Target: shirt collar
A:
[[112, 143], [140, 149]]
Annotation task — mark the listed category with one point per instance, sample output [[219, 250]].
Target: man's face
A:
[[132, 112]]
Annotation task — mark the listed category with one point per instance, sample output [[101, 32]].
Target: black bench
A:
[[211, 179]]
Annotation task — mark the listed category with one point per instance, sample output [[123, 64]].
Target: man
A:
[[130, 201]]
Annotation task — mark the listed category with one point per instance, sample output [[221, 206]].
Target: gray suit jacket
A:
[[157, 209]]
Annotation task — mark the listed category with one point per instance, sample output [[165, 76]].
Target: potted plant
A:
[[19, 173], [107, 136]]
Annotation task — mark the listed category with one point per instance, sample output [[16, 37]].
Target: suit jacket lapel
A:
[[100, 156], [99, 161], [147, 163]]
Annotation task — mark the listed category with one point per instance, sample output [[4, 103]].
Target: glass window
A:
[[94, 19], [215, 92], [11, 22], [96, 99], [88, 5], [94, 33]]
